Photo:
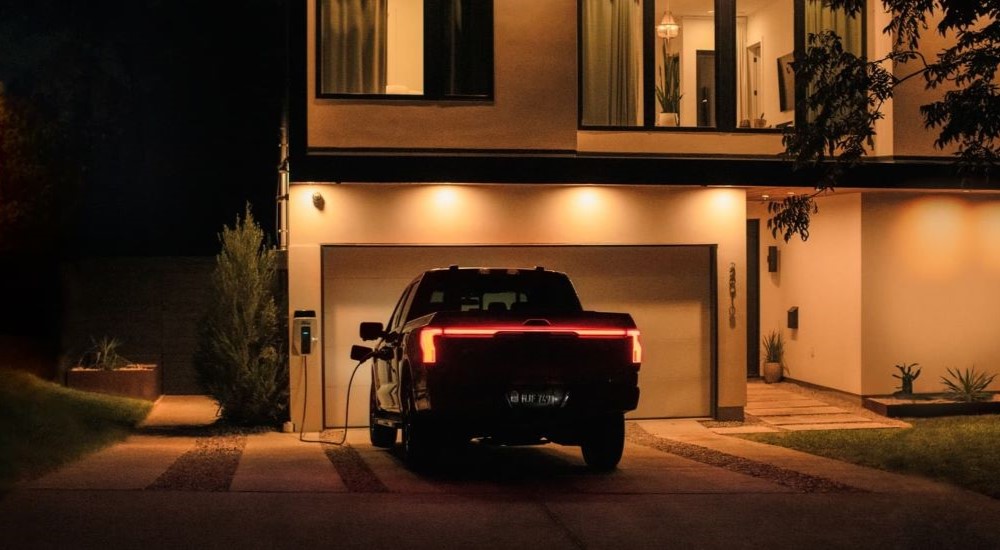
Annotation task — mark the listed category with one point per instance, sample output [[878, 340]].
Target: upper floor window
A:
[[432, 49], [715, 64]]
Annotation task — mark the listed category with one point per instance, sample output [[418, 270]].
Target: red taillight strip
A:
[[428, 347]]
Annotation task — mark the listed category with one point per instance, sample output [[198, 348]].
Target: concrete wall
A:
[[821, 276], [152, 305], [519, 214], [931, 286]]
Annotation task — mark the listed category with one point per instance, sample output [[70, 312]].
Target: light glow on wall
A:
[[445, 198], [934, 237], [988, 232]]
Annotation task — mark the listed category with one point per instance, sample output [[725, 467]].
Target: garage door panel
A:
[[665, 289]]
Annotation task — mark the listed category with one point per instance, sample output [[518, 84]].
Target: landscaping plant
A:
[[906, 377], [240, 358], [774, 348], [968, 385], [103, 354]]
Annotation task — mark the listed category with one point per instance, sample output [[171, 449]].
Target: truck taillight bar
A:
[[428, 347]]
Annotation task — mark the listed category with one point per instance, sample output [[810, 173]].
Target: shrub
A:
[[103, 354], [967, 386], [240, 358]]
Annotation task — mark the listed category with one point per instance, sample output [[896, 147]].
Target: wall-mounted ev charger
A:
[[304, 332]]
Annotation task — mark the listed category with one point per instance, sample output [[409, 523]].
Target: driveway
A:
[[679, 485]]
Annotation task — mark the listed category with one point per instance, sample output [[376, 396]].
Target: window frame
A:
[[434, 67], [725, 70]]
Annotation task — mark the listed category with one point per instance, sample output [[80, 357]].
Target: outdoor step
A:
[[755, 429]]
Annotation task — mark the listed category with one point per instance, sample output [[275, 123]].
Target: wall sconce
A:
[[772, 259], [318, 201], [793, 317]]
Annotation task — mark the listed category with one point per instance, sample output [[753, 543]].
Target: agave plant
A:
[[967, 385], [103, 354], [906, 377]]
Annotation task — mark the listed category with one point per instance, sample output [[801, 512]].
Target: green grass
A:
[[962, 450], [44, 425]]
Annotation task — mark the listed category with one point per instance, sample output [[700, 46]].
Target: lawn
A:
[[44, 425], [963, 450]]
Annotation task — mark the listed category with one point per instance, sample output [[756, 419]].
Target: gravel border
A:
[[210, 466], [357, 476], [798, 481]]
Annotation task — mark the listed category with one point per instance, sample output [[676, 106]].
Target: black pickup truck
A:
[[507, 356]]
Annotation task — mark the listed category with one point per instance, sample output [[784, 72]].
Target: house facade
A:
[[632, 144]]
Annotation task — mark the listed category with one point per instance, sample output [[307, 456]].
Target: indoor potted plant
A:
[[774, 357], [668, 91], [103, 369]]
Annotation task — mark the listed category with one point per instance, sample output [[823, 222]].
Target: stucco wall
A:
[[931, 286], [518, 214], [535, 97], [821, 276]]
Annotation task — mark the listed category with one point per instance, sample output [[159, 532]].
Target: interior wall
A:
[[822, 277], [535, 93], [931, 286], [520, 214], [697, 33], [771, 26]]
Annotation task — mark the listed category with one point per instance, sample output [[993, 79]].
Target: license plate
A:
[[536, 398]]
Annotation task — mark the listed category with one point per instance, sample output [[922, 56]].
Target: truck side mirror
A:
[[371, 331], [360, 353]]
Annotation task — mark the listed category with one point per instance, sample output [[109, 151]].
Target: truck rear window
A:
[[495, 291]]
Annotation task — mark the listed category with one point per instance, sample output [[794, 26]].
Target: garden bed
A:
[[139, 382], [928, 405]]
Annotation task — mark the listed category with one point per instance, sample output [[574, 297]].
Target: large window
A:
[[714, 64], [410, 49]]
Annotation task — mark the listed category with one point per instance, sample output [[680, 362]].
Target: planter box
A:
[[928, 405], [139, 382]]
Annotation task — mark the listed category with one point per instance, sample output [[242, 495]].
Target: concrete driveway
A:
[[679, 485]]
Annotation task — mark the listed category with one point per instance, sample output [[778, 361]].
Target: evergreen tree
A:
[[240, 358]]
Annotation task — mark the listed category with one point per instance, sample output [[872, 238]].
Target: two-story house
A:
[[632, 144]]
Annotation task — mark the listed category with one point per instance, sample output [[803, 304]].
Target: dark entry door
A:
[[753, 298]]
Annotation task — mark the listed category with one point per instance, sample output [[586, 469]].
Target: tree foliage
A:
[[240, 358], [846, 93]]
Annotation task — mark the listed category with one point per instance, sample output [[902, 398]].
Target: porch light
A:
[[668, 27]]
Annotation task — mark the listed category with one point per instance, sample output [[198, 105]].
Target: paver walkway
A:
[[778, 408]]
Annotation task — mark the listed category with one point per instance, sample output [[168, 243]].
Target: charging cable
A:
[[305, 400]]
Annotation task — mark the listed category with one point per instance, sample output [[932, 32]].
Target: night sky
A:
[[165, 112]]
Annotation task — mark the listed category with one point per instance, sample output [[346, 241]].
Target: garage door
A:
[[665, 288]]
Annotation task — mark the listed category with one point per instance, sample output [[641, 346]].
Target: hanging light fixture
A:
[[668, 27]]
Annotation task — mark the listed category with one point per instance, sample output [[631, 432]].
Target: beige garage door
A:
[[665, 288]]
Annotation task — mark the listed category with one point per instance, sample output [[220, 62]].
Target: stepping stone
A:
[[840, 426], [814, 419], [783, 411], [755, 429]]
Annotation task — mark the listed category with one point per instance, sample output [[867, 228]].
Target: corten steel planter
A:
[[139, 382], [929, 405]]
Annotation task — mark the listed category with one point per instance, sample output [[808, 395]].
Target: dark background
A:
[[163, 114], [131, 131]]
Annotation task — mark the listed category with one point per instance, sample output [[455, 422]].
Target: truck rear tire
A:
[[417, 443], [604, 443], [381, 436]]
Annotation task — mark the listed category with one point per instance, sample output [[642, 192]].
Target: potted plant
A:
[[668, 91], [103, 369], [774, 357]]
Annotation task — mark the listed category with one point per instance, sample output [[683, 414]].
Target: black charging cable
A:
[[305, 400]]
